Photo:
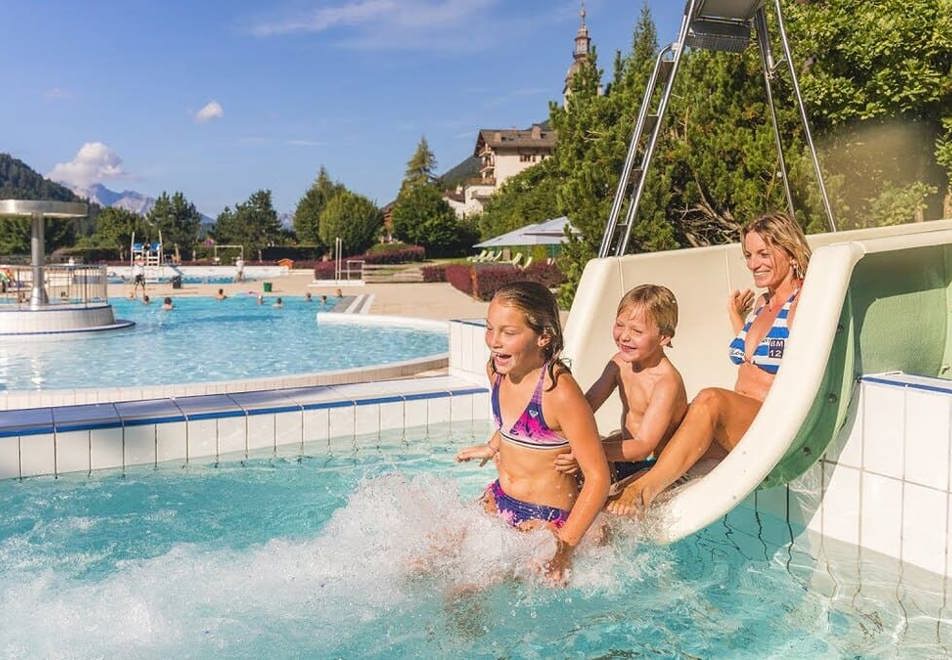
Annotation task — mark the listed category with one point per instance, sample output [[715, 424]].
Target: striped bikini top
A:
[[530, 429], [769, 352]]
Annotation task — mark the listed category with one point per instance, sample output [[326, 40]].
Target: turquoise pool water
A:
[[204, 339], [382, 552]]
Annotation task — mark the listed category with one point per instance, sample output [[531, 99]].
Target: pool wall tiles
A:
[[67, 397], [468, 351], [51, 441], [884, 483]]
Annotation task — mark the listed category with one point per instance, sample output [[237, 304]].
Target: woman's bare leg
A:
[[715, 416]]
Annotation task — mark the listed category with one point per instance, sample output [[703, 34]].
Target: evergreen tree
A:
[[421, 166], [351, 217], [877, 78], [115, 228], [19, 181], [421, 216], [177, 219], [253, 223], [308, 211]]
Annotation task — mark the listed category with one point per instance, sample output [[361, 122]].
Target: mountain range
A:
[[129, 200]]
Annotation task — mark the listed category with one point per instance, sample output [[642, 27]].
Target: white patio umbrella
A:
[[548, 232]]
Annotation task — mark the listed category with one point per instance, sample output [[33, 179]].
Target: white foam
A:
[[399, 543]]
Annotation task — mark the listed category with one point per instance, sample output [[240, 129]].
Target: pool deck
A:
[[435, 300]]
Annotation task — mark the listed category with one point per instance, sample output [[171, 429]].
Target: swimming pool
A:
[[379, 550], [204, 339], [188, 279]]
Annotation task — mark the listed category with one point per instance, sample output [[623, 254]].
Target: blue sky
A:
[[219, 99]]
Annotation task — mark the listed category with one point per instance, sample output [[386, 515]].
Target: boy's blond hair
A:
[[659, 304]]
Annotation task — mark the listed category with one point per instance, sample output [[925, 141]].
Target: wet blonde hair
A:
[[779, 229], [542, 316], [659, 304]]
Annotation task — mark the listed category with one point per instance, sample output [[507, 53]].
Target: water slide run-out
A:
[[874, 300]]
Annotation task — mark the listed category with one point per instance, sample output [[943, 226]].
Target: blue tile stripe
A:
[[880, 380], [237, 410]]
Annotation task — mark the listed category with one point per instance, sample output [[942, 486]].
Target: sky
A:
[[221, 98]]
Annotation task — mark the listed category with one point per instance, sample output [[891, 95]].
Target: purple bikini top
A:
[[530, 429]]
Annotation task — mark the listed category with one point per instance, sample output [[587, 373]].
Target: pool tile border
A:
[[36, 431]]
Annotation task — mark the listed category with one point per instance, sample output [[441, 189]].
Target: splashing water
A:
[[385, 552]]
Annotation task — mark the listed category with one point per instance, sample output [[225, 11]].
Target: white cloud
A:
[[93, 163], [212, 110], [56, 93], [390, 24], [306, 143]]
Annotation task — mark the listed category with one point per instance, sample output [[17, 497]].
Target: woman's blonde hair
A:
[[659, 304], [781, 230], [542, 316]]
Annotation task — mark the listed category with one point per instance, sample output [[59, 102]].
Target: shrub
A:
[[544, 273], [460, 276], [488, 279], [325, 270], [434, 273], [406, 254], [387, 247]]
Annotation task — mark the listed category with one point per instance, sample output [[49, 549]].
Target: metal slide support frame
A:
[[803, 115], [767, 62], [632, 154], [652, 141]]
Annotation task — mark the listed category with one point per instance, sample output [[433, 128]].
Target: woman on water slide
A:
[[777, 255]]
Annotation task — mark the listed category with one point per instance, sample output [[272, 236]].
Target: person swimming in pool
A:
[[539, 413], [777, 254]]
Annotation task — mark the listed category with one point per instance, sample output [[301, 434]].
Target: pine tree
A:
[[177, 219], [420, 167], [308, 212], [254, 223]]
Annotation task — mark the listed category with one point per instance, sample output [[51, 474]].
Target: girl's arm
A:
[[574, 417], [602, 388], [597, 394], [484, 451]]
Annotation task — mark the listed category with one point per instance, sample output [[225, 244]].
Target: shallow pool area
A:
[[376, 547], [203, 339]]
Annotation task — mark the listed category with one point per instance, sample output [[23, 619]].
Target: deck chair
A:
[[527, 263]]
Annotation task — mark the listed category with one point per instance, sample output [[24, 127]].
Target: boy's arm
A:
[[654, 424], [602, 388]]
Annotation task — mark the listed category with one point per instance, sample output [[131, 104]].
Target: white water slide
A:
[[874, 300]]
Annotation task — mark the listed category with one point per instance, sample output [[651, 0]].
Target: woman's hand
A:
[[485, 452], [739, 304], [566, 463]]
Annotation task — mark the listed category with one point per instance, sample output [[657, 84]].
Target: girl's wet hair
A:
[[783, 231], [542, 316]]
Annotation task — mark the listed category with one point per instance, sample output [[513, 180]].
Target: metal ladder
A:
[[721, 25]]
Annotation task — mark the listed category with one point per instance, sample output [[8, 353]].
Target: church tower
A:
[[583, 48]]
